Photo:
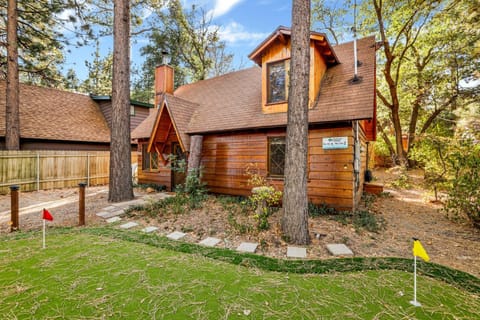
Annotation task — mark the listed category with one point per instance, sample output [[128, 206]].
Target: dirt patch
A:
[[62, 203], [407, 213]]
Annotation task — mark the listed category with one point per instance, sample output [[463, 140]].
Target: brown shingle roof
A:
[[144, 129], [233, 101], [180, 110], [53, 114]]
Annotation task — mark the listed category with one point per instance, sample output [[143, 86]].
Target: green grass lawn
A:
[[82, 275]]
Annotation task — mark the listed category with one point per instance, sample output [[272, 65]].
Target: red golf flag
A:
[[47, 215]]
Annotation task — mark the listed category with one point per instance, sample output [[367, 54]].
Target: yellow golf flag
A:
[[419, 251]]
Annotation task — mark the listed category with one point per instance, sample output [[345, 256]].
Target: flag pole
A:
[[414, 301], [43, 233]]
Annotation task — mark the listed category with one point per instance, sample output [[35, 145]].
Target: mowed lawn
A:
[[82, 276]]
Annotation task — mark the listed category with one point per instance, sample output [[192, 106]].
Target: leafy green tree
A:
[[423, 61], [464, 192], [330, 18]]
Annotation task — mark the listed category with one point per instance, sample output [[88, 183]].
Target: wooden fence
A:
[[41, 170]]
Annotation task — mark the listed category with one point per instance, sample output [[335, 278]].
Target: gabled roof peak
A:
[[282, 33]]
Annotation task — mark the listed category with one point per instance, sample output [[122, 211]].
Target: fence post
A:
[[38, 171], [81, 204], [14, 208], [88, 169]]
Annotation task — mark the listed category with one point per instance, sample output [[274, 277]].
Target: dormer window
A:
[[278, 79]]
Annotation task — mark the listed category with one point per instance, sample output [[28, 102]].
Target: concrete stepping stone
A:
[[339, 249], [296, 252], [149, 229], [210, 242], [109, 208], [107, 215], [127, 204], [176, 235], [114, 219], [129, 225], [247, 247]]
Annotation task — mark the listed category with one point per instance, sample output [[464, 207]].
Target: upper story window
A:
[[276, 156], [277, 81]]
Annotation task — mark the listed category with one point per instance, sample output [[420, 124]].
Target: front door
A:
[[178, 177]]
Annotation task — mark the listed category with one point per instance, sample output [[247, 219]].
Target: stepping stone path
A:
[[111, 214], [247, 247], [149, 229], [128, 225], [114, 219], [176, 235], [339, 249], [296, 252], [210, 242]]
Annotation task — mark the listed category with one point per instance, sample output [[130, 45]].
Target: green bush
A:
[[156, 187], [364, 219], [264, 199], [320, 210], [194, 190], [464, 192]]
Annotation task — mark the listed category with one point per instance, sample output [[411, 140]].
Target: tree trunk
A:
[[12, 124], [401, 154], [120, 187], [195, 153], [295, 201]]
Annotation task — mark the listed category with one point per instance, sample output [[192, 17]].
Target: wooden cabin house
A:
[[240, 119]]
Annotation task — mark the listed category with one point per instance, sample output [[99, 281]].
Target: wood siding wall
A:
[[225, 158], [106, 108], [140, 114]]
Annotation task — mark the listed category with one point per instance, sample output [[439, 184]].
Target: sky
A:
[[243, 25]]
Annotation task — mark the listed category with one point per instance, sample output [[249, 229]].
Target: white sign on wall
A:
[[335, 143]]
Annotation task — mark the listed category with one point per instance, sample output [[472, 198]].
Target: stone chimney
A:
[[163, 81]]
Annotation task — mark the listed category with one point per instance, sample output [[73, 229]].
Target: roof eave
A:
[[280, 32], [274, 126]]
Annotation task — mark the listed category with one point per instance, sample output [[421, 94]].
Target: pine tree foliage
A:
[[193, 43], [41, 31]]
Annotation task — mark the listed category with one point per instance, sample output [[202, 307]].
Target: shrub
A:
[[402, 181], [320, 210], [193, 190], [264, 199], [464, 192], [264, 196], [364, 219], [156, 187]]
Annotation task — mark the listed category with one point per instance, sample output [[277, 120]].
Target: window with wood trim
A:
[[149, 159], [277, 81], [276, 156]]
